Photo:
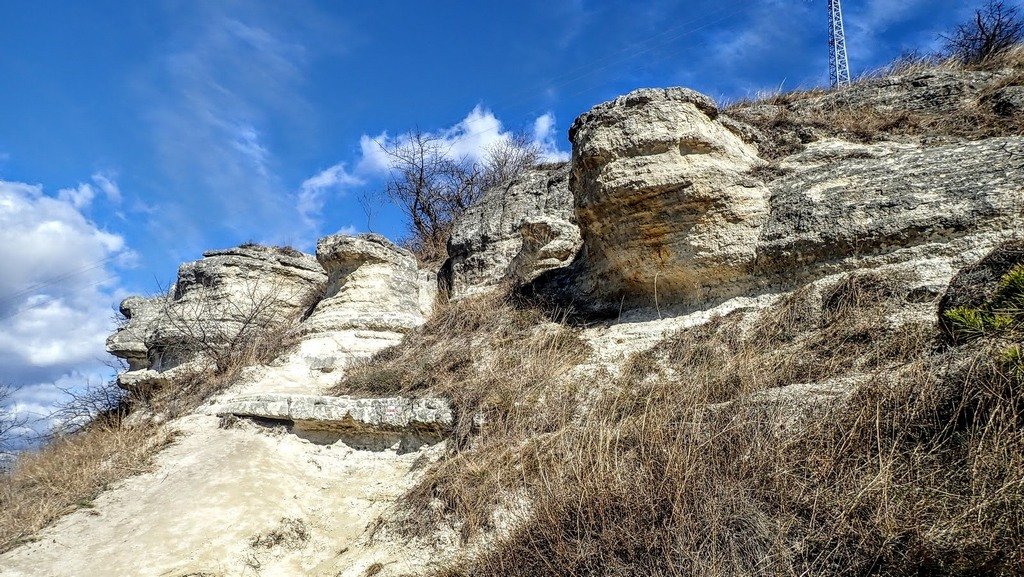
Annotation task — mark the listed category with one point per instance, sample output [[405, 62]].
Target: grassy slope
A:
[[680, 466]]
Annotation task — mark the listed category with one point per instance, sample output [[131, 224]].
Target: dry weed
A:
[[69, 472], [501, 363], [684, 469]]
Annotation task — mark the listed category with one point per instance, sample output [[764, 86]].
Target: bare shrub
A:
[[994, 29], [433, 187], [69, 472], [91, 405], [209, 336], [11, 424]]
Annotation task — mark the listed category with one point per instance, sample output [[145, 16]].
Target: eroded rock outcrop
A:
[[216, 299], [516, 231], [374, 294], [663, 196], [675, 206]]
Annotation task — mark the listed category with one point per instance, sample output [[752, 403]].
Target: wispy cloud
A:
[[312, 194], [230, 86]]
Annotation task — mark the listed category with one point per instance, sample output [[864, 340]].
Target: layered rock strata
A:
[[370, 415], [675, 207], [216, 299], [517, 231]]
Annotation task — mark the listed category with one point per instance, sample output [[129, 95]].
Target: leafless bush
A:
[[225, 330], [90, 405], [10, 424], [433, 187], [995, 28]]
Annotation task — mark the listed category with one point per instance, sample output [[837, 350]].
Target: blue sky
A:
[[135, 135]]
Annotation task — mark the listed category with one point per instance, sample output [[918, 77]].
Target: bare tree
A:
[[103, 404], [433, 187], [10, 424], [994, 29]]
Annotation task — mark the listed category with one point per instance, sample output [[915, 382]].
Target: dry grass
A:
[[497, 360], [684, 465], [69, 472], [802, 116]]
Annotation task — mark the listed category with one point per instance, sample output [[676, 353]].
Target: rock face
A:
[[381, 415], [843, 201], [130, 341], [663, 197], [214, 300], [374, 294], [515, 232], [675, 207]]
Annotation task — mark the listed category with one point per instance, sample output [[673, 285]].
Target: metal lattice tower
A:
[[838, 63]]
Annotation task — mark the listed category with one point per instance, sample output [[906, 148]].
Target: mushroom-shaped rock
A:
[[663, 197], [375, 293]]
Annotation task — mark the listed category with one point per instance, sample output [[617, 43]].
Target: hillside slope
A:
[[718, 342]]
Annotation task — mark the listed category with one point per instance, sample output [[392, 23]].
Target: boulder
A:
[[1008, 101], [975, 286], [515, 232], [663, 197]]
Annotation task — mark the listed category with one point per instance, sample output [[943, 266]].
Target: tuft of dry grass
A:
[[790, 120], [502, 364], [689, 463], [69, 472]]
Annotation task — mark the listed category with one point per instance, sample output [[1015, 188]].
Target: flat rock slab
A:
[[367, 415]]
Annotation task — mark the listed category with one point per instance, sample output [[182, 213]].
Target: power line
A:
[[51, 300], [57, 279]]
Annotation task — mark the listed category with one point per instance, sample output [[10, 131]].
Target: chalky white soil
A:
[[216, 491]]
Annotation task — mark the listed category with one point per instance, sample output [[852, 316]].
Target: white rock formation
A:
[[375, 293], [516, 231], [214, 300], [673, 206]]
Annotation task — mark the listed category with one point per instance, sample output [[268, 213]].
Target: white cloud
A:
[[56, 290], [82, 195], [470, 138], [106, 184], [312, 192]]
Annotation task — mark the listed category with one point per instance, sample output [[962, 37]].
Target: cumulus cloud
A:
[[471, 138], [82, 195], [57, 288]]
